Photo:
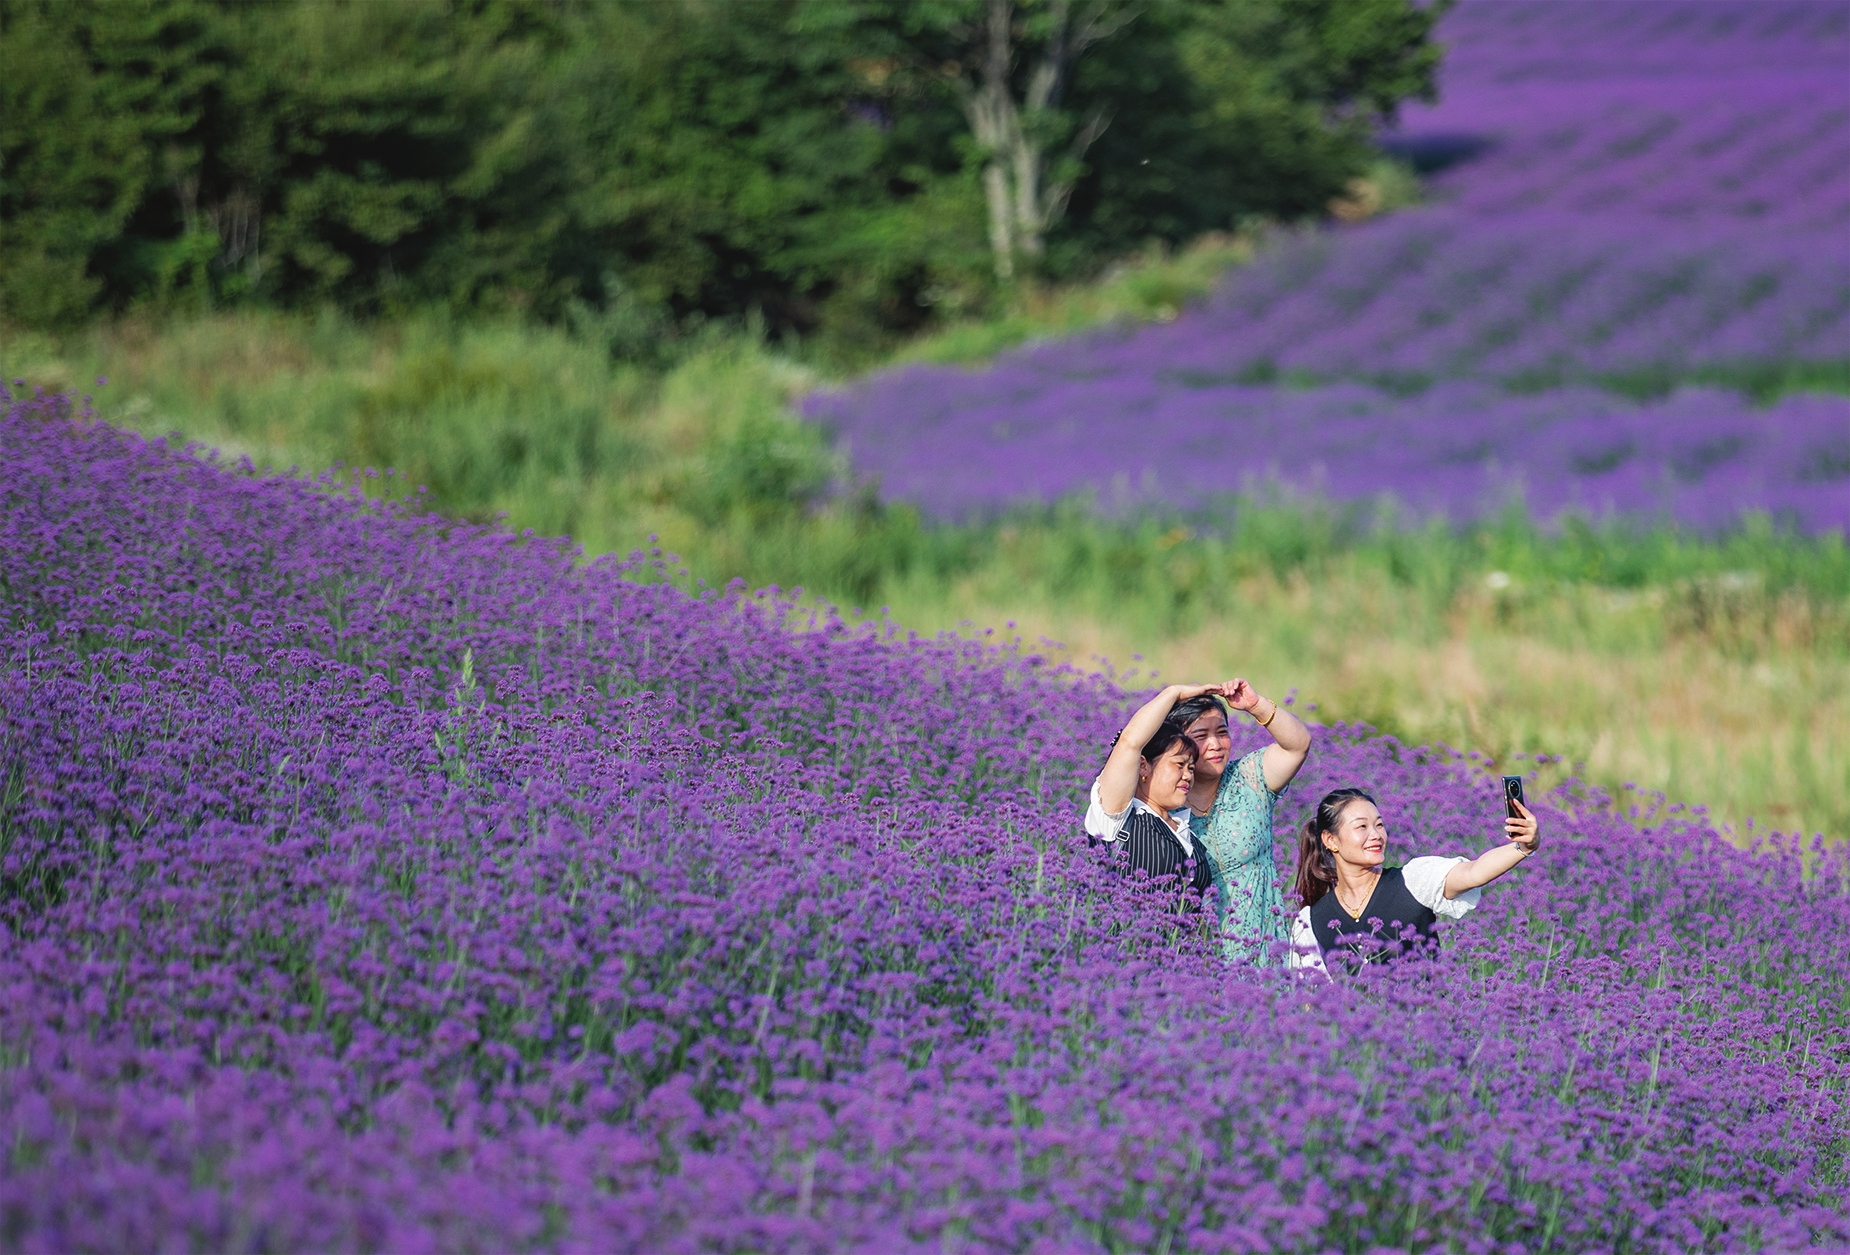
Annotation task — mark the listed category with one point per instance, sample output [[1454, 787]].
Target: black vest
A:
[[1393, 923], [1148, 845]]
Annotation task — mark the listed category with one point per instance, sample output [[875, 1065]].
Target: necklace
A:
[[1354, 912]]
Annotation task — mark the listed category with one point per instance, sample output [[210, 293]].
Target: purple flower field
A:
[[377, 881], [1643, 197], [1700, 456]]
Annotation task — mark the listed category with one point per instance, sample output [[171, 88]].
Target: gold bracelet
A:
[[1267, 721]]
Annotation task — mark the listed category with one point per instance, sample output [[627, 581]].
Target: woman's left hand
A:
[[1240, 695], [1523, 830], [1524, 839]]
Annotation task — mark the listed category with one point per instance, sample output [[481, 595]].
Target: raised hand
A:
[[1117, 782], [1524, 838], [1239, 694], [1523, 830]]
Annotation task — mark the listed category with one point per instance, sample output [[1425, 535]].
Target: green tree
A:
[[1098, 124], [96, 104], [390, 155], [738, 158], [842, 167], [328, 150]]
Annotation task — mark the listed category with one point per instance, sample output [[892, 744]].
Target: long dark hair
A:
[[1316, 865]]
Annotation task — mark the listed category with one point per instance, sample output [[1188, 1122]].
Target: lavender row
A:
[[386, 882], [1523, 41], [1643, 184], [1681, 111], [1438, 294], [966, 445]]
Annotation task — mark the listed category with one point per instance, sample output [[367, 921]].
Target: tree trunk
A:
[[1001, 220], [997, 127], [1024, 202]]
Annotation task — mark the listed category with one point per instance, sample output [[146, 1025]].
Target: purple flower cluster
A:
[[1649, 194], [371, 880]]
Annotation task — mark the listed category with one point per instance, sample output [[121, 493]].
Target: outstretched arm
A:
[[1282, 760], [1525, 838], [1117, 783]]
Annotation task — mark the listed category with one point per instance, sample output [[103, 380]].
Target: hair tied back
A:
[[1316, 874]]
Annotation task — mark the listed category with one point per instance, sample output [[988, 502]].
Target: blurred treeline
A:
[[830, 170]]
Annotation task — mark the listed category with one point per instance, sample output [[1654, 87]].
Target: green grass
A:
[[1717, 669], [1152, 288]]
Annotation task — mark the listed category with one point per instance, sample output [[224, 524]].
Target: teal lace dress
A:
[[1237, 834]]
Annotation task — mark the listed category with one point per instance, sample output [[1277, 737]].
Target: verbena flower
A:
[[378, 880]]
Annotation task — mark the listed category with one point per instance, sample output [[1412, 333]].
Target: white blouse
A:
[[1425, 880], [1106, 825]]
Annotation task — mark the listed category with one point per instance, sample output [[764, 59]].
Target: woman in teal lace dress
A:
[[1230, 813]]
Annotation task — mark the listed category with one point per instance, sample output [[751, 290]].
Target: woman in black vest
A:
[[1139, 804], [1356, 911]]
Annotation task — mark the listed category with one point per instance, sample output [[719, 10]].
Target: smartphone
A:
[[1512, 794]]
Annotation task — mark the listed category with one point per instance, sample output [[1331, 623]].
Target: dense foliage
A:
[[806, 159], [377, 881], [1627, 257]]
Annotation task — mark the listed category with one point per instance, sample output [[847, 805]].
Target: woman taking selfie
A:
[[1221, 820], [1359, 913], [1230, 812]]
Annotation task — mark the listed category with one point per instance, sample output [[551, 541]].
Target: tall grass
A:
[[1153, 287], [1714, 668]]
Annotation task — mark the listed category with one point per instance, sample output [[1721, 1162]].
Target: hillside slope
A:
[[1637, 247], [371, 880]]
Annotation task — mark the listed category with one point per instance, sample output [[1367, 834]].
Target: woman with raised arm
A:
[[1139, 803], [1359, 913], [1230, 812]]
